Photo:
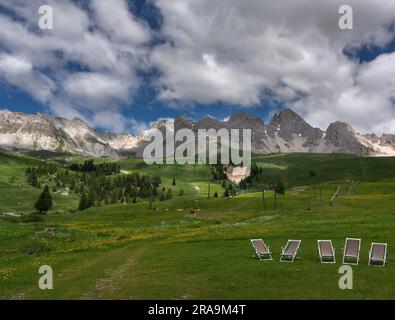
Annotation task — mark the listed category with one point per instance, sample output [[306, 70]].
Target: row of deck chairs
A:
[[326, 251]]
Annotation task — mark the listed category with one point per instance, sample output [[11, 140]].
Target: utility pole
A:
[[263, 198], [150, 198]]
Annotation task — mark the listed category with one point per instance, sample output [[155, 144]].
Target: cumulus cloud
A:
[[290, 51], [242, 53], [84, 67], [115, 19]]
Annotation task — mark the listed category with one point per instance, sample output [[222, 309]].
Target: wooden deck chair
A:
[[351, 251], [378, 254], [326, 251], [289, 253], [261, 250]]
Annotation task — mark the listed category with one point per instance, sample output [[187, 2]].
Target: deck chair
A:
[[261, 250], [378, 254], [326, 251], [288, 254], [351, 251]]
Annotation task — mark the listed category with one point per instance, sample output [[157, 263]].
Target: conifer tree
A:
[[44, 202], [83, 202], [91, 198]]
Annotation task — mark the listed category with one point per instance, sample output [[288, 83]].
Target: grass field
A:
[[126, 252]]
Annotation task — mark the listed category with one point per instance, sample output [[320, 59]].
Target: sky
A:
[[120, 65]]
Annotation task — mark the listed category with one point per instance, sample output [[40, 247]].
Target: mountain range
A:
[[286, 132]]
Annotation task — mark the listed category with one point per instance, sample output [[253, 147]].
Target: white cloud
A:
[[237, 51], [85, 66], [95, 90], [115, 19], [11, 65]]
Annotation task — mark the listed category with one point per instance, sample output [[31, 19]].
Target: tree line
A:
[[96, 184]]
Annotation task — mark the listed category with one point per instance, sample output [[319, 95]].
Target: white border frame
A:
[[321, 256], [385, 255], [258, 254], [357, 257], [296, 251]]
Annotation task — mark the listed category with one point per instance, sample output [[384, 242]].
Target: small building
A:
[[237, 174]]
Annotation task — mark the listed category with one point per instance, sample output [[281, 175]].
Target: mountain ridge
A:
[[287, 132]]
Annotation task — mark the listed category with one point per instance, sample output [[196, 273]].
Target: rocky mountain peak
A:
[[340, 126], [244, 120], [345, 139], [181, 122], [286, 117], [287, 132], [387, 140], [209, 123], [288, 125], [78, 122]]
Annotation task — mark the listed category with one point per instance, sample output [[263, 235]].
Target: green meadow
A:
[[195, 247]]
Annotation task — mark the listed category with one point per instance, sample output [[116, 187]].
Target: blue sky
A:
[[121, 64]]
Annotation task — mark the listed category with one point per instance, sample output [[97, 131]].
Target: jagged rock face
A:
[[289, 124], [287, 132], [124, 142], [245, 121], [209, 123], [345, 139], [39, 131], [183, 123], [372, 137], [387, 140], [255, 124]]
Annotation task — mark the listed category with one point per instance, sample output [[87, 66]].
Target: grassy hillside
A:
[[126, 252], [294, 168]]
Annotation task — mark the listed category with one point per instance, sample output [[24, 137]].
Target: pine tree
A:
[[134, 200], [44, 202], [169, 194], [114, 198], [216, 194], [33, 179], [181, 193], [83, 202], [174, 181], [226, 193], [91, 198]]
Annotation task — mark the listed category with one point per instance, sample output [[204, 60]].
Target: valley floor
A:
[[126, 252]]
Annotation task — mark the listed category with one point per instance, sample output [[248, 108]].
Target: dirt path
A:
[[113, 279]]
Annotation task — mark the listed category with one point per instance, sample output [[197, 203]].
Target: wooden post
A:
[[150, 196], [263, 197], [335, 195]]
